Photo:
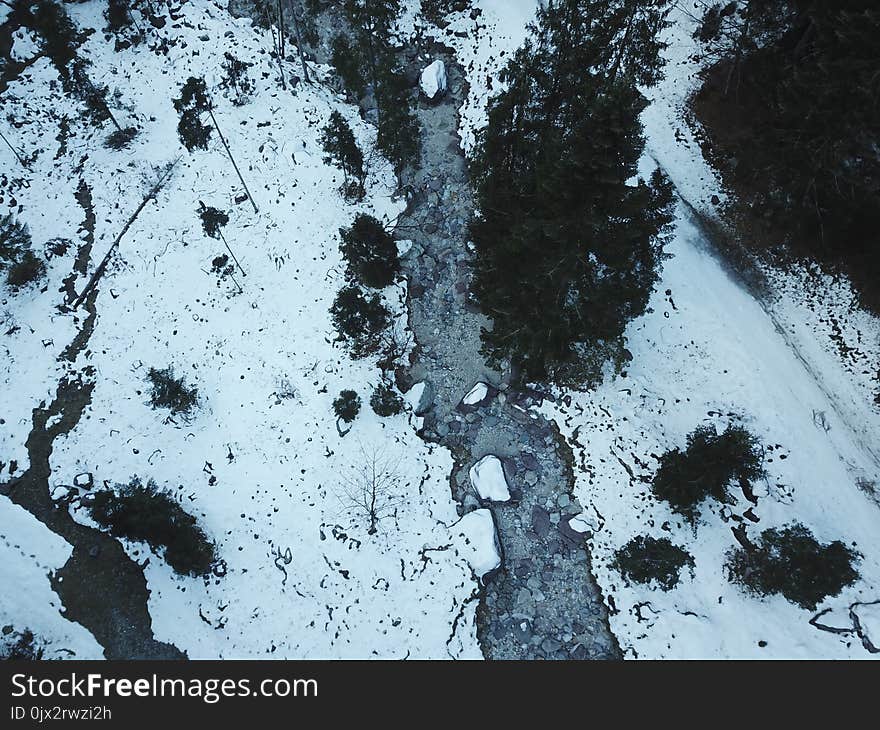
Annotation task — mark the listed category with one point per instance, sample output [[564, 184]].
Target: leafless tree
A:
[[372, 488]]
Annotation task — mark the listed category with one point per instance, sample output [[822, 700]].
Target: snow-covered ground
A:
[[799, 370], [28, 554], [261, 462]]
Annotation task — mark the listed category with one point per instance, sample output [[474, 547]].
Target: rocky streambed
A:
[[543, 602]]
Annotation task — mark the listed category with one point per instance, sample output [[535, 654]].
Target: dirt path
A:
[[544, 601]]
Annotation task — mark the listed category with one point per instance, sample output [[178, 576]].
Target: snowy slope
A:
[[260, 462]]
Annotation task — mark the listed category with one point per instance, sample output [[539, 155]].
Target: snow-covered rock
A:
[[478, 530], [433, 81], [487, 478], [404, 247], [477, 394]]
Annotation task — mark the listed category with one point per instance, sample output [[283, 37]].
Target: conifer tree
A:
[[193, 102], [370, 62], [342, 149], [359, 320], [568, 250], [790, 106], [370, 251], [118, 14]]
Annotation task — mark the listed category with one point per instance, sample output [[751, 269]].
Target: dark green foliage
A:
[[213, 220], [170, 392], [92, 95], [51, 22], [347, 64], [22, 265], [15, 239], [347, 405], [567, 252], [235, 77], [117, 14], [707, 467], [143, 512], [385, 401], [399, 134], [790, 105], [370, 63], [436, 10], [360, 321], [191, 104], [121, 138], [791, 562], [21, 647], [370, 252], [60, 41], [644, 559], [342, 150], [27, 269]]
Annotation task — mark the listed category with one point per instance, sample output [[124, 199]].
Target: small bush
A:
[[170, 392], [145, 513], [791, 562], [347, 405], [21, 647], [121, 138], [385, 402], [707, 467], [360, 321], [28, 269], [370, 252], [15, 239], [213, 220], [645, 558], [236, 79]]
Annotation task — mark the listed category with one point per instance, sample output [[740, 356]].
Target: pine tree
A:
[[22, 265], [347, 405], [342, 149], [371, 63], [193, 102], [790, 105], [370, 251], [385, 401], [235, 77], [360, 321], [568, 250], [213, 222], [118, 14]]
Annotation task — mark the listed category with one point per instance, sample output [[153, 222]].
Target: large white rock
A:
[[480, 541], [434, 79], [487, 477]]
